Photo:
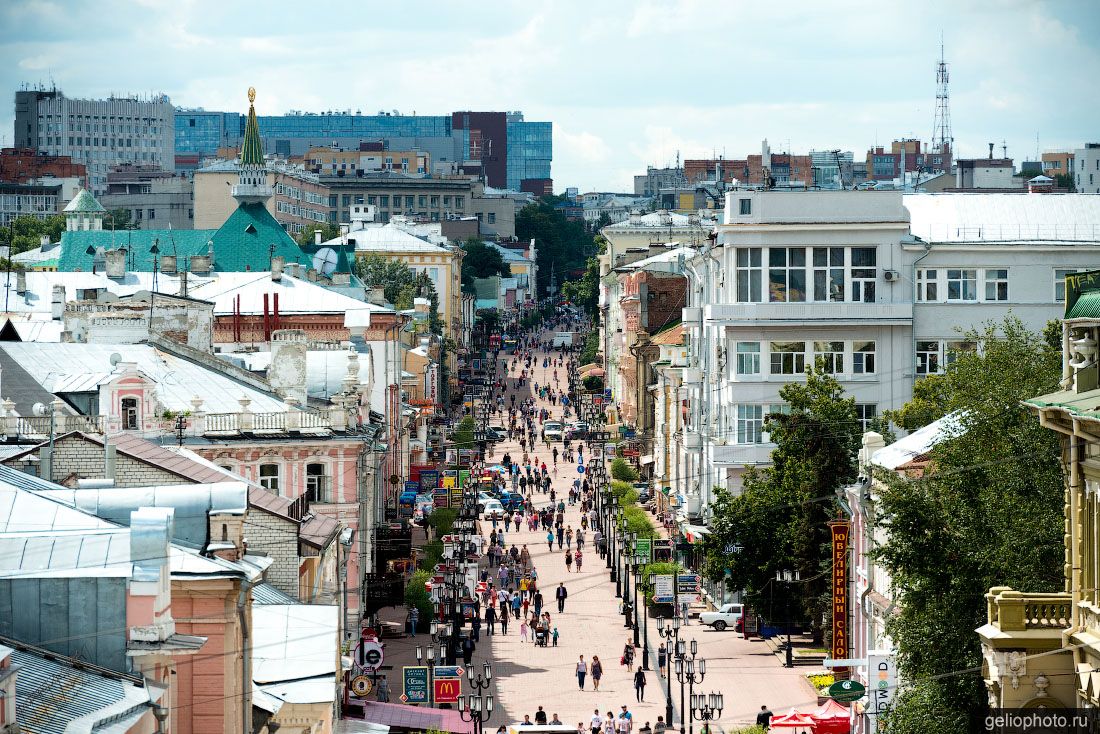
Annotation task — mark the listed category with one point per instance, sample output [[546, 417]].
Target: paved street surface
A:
[[528, 676]]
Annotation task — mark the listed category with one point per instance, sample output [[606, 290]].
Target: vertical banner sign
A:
[[882, 681], [415, 684], [840, 532]]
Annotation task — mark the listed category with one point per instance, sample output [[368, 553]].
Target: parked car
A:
[[552, 431], [512, 501], [493, 508], [499, 433], [728, 615], [576, 430]]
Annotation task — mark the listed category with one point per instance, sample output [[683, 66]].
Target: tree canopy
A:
[[400, 284], [481, 261], [562, 245], [28, 232], [987, 511], [329, 231], [779, 522]]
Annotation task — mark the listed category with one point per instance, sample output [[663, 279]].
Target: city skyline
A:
[[618, 82]]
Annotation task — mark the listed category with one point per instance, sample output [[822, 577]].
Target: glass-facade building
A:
[[201, 132], [530, 151]]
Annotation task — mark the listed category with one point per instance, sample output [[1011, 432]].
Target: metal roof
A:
[[54, 698], [918, 442], [658, 220], [293, 642], [62, 368], [265, 593], [84, 202], [20, 386], [387, 238], [976, 217]]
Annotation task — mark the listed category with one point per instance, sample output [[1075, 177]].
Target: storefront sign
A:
[[448, 684], [441, 497], [882, 681], [416, 684], [840, 532], [361, 686], [643, 547], [429, 479], [847, 691]]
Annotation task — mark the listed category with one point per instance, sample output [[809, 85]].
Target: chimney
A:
[[183, 284], [635, 216], [311, 275], [57, 302], [377, 296], [277, 263], [991, 151], [287, 371], [110, 459], [116, 263], [316, 236], [44, 241], [21, 282], [168, 264]]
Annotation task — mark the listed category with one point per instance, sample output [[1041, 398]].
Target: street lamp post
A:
[[787, 578], [627, 553], [705, 709], [669, 631], [639, 569], [689, 673], [477, 708], [429, 654]]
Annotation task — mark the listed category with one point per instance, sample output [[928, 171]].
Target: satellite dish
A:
[[115, 359], [40, 409], [324, 261]]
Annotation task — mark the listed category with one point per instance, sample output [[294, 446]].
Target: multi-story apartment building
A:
[[502, 147], [22, 165], [1058, 163], [905, 155], [832, 168], [99, 133], [41, 201], [655, 179], [155, 199], [299, 202], [876, 286], [1087, 160], [339, 162]]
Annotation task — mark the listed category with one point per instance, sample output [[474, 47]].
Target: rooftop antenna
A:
[[942, 140], [1004, 148]]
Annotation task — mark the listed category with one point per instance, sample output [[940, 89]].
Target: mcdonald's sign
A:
[[447, 690]]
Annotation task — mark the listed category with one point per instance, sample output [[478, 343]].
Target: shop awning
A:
[[793, 720], [694, 533], [647, 459]]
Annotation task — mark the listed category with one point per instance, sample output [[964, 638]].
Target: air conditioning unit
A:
[[692, 440], [691, 315], [891, 276], [692, 376]]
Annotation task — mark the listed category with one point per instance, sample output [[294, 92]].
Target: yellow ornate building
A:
[[1043, 650]]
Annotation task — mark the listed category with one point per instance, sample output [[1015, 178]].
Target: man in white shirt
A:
[[597, 722]]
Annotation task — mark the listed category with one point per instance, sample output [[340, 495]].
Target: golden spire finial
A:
[[251, 95]]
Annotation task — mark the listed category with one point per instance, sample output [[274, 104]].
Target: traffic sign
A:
[[847, 691], [662, 589], [370, 654], [447, 690], [415, 679], [643, 547], [449, 671], [580, 468]]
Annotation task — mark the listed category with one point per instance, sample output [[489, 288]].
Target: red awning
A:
[[793, 720], [831, 718]]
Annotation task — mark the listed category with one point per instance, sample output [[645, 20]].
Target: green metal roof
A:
[[242, 243], [1083, 295], [84, 202], [1085, 404], [252, 149], [1085, 306]]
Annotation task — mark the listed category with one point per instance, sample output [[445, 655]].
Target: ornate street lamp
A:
[[704, 708], [477, 708], [669, 631], [690, 673], [787, 578]]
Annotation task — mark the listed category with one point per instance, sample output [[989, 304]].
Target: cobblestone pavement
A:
[[527, 676]]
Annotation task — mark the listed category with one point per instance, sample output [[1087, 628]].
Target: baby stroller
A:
[[541, 636]]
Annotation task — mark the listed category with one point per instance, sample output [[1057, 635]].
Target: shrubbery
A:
[[623, 471]]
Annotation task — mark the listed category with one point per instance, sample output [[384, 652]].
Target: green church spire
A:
[[252, 150]]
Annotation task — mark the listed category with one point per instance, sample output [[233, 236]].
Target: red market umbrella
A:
[[793, 720], [831, 718]]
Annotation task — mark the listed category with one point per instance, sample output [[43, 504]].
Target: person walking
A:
[[578, 558], [595, 724], [582, 671], [639, 684], [382, 690], [569, 560], [414, 618], [523, 630], [537, 602], [597, 673], [561, 594], [504, 622], [628, 656], [550, 540], [764, 718], [662, 660], [490, 620]]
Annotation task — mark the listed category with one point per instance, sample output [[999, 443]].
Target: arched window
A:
[[269, 477], [318, 488]]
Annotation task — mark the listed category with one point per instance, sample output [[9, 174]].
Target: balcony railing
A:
[[1015, 611], [199, 424]]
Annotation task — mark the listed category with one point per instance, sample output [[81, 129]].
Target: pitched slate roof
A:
[[84, 202]]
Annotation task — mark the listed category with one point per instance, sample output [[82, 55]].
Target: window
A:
[[928, 358], [786, 274], [864, 274], [446, 201], [317, 486], [152, 214], [750, 423], [459, 201], [748, 358], [962, 285], [996, 285], [384, 200], [435, 201], [788, 358], [409, 202], [865, 413], [745, 207], [749, 272], [955, 349], [927, 285], [492, 217], [269, 477], [863, 358], [828, 273], [831, 355], [1060, 283], [130, 414]]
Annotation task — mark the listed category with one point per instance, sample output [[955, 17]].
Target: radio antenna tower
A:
[[942, 141]]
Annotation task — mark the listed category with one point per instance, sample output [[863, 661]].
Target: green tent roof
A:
[[84, 202], [242, 243]]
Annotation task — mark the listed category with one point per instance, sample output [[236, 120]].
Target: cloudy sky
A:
[[626, 84]]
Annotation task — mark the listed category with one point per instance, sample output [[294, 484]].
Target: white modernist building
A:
[[876, 284]]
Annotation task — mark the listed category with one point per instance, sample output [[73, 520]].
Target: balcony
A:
[[741, 453], [825, 314], [1016, 619]]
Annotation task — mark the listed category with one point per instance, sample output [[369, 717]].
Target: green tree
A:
[[986, 512], [329, 231], [401, 285], [779, 521], [25, 233], [481, 261], [562, 245], [623, 471], [118, 219]]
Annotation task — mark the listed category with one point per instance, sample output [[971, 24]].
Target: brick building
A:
[[21, 165]]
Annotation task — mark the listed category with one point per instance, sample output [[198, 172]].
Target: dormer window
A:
[[130, 414], [250, 229]]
